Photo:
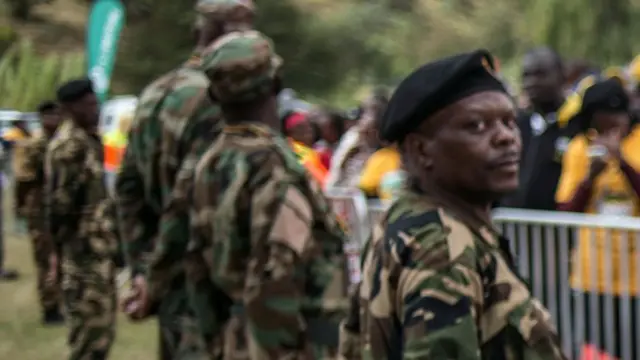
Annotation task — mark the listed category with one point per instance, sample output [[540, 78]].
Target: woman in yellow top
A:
[[600, 175], [381, 176]]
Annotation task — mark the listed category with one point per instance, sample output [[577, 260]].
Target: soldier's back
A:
[[434, 287], [251, 196], [187, 114]]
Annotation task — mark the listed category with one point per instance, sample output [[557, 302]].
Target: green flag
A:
[[103, 32]]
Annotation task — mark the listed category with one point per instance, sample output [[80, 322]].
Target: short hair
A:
[[557, 59], [47, 106], [74, 90]]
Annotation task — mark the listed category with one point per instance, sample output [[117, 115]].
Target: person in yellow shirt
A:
[[381, 175], [600, 175]]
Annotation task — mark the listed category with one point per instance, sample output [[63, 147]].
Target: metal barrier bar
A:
[[584, 268]]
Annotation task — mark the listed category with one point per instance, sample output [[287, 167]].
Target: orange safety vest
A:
[[311, 161], [114, 144]]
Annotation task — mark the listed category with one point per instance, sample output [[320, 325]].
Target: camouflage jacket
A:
[[434, 288], [76, 196], [266, 235], [190, 123], [30, 178], [139, 185]]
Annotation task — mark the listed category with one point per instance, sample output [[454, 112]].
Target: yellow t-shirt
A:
[[383, 161], [611, 194]]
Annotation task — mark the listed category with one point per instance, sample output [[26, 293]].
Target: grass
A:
[[24, 338]]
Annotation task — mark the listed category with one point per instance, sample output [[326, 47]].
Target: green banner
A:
[[103, 32]]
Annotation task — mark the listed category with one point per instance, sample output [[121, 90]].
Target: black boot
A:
[[53, 316]]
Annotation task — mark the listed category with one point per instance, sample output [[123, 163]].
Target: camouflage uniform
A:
[[262, 231], [30, 186], [77, 217], [434, 287], [173, 112]]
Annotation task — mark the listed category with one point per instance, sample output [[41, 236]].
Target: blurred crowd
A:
[[232, 245]]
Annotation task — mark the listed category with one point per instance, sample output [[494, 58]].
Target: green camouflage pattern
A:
[[80, 218], [435, 288], [190, 122], [171, 113], [242, 66], [263, 233], [207, 301], [30, 185]]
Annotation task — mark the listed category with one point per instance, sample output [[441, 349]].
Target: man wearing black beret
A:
[[76, 209], [439, 281]]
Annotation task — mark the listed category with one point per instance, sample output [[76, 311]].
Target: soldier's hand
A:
[[136, 303], [52, 274]]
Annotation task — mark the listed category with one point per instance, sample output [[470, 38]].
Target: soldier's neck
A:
[[474, 209]]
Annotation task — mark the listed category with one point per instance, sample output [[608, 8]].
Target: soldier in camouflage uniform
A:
[[262, 231], [173, 112], [29, 190], [439, 281], [76, 216]]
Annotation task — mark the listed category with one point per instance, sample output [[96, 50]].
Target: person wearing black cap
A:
[[76, 200], [438, 280], [600, 175], [30, 182]]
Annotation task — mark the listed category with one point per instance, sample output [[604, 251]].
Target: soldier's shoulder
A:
[[190, 77], [152, 95], [417, 226], [66, 145]]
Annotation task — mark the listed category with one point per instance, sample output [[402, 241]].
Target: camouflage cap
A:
[[227, 10], [241, 66]]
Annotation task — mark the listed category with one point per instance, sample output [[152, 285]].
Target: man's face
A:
[[85, 110], [542, 77], [50, 119], [474, 147]]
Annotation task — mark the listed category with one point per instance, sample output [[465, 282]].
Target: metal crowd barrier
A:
[[586, 309]]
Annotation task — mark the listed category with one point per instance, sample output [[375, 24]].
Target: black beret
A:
[[434, 86], [605, 96], [74, 90], [47, 106]]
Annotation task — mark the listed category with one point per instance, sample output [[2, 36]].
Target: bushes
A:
[[7, 37], [27, 78]]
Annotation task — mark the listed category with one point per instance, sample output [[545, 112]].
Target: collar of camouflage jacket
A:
[[461, 210]]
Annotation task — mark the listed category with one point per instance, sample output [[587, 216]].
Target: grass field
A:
[[22, 337]]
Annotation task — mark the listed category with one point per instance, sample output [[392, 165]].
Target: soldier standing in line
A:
[[262, 231], [439, 281], [173, 112], [29, 190], [76, 201]]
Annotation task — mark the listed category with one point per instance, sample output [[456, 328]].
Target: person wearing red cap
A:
[[300, 132]]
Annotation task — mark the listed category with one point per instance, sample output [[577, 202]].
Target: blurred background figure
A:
[[358, 143], [600, 175], [330, 125]]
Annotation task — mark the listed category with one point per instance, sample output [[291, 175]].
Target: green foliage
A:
[[7, 37], [335, 49], [28, 78]]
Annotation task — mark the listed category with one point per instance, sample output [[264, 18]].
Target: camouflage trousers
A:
[[180, 335], [89, 293], [49, 293]]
